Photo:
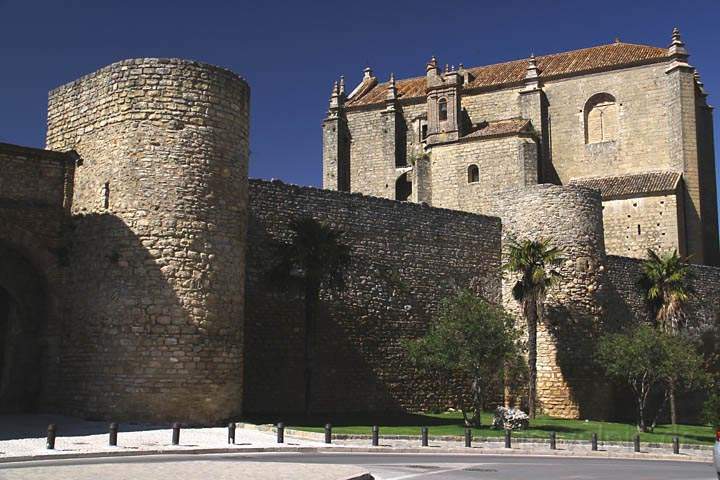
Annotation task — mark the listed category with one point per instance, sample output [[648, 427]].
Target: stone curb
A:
[[383, 449], [316, 436]]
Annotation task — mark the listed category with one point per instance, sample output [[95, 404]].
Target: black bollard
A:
[[176, 433], [508, 438], [51, 434], [375, 436], [637, 443], [113, 434], [676, 445], [231, 433], [424, 436], [280, 432], [593, 442], [328, 433], [553, 444], [468, 437]]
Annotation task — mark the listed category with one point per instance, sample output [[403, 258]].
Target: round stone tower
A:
[[570, 217], [155, 270]]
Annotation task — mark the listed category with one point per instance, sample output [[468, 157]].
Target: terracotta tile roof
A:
[[602, 57], [501, 127], [624, 185]]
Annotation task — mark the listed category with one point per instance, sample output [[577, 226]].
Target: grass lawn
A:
[[451, 424]]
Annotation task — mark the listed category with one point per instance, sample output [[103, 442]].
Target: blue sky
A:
[[291, 52]]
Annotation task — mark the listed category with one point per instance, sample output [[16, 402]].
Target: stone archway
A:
[[23, 312]]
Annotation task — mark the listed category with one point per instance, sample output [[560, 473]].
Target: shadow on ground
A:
[[17, 426]]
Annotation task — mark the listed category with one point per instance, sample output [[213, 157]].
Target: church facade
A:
[[631, 121]]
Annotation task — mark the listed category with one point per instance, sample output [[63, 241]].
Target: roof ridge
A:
[[552, 65], [617, 175], [538, 57]]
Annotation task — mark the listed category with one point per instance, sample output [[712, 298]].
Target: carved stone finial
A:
[[341, 86], [677, 52], [431, 66], [367, 73], [391, 90], [532, 74], [334, 100], [677, 46], [699, 83]]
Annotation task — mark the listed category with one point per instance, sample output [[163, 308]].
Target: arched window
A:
[[403, 188], [601, 118], [473, 174], [442, 109]]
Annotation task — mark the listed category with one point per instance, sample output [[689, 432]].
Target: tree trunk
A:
[[477, 403], [531, 317], [673, 408], [641, 415], [311, 300]]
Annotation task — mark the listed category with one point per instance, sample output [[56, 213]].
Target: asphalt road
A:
[[382, 466]]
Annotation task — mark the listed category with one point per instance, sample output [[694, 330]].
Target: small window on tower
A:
[[442, 109], [423, 132], [473, 174], [106, 195]]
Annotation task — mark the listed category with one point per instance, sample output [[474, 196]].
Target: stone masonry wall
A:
[[501, 165], [626, 302], [371, 172], [405, 259], [641, 94], [632, 225], [156, 267], [571, 218], [34, 195]]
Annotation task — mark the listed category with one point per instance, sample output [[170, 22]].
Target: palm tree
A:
[[664, 281], [316, 258], [534, 261]]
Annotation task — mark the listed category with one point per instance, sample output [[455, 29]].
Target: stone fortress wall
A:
[[154, 288], [151, 248], [567, 379], [405, 258], [34, 200]]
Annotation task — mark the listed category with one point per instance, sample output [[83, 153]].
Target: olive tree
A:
[[647, 360], [472, 339]]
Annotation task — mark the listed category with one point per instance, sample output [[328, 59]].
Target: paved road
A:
[[382, 466]]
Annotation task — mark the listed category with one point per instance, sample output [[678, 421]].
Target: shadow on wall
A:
[[342, 380], [576, 334], [23, 319], [360, 363], [130, 349]]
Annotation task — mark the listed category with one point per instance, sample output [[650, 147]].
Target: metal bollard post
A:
[[553, 443], [424, 436], [508, 438], [280, 432], [375, 436], [676, 445], [637, 443], [113, 434], [593, 442], [468, 437], [231, 433], [176, 433], [328, 433], [51, 434]]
